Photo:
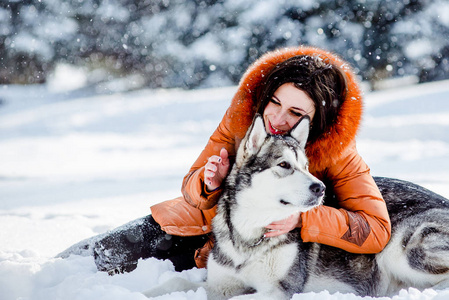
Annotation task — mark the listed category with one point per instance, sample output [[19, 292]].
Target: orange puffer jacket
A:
[[357, 222]]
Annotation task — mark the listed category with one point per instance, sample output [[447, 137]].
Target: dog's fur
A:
[[269, 182]]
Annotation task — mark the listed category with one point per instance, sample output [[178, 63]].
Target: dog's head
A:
[[271, 172]]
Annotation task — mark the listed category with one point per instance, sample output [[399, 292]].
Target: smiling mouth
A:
[[275, 130]]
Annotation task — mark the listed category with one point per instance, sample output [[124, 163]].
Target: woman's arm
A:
[[361, 224]]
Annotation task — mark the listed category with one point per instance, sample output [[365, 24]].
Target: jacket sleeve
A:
[[193, 187], [361, 223]]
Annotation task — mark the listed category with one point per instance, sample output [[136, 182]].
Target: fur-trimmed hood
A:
[[327, 148]]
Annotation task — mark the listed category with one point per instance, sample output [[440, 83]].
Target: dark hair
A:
[[323, 82]]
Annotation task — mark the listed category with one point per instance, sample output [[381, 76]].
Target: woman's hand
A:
[[283, 226], [216, 169]]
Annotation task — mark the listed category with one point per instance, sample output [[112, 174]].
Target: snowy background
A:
[[75, 164], [94, 147], [210, 43]]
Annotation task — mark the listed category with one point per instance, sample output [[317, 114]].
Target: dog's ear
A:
[[256, 136], [301, 131]]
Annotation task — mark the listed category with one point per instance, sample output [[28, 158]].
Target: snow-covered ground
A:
[[73, 165]]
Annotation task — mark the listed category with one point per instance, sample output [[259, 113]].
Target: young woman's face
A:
[[286, 107]]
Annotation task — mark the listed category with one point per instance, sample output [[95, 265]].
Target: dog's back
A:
[[418, 252]]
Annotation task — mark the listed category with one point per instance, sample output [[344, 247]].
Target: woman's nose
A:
[[279, 118]]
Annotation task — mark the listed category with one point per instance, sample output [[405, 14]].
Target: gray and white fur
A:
[[269, 182]]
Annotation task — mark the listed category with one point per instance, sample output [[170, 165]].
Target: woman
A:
[[282, 86]]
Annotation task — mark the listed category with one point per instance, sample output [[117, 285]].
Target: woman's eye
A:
[[284, 165], [298, 114], [274, 101]]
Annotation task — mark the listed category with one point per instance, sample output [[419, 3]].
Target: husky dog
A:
[[268, 182]]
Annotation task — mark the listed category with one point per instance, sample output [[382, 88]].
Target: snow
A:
[[75, 164], [67, 77], [25, 42], [419, 48]]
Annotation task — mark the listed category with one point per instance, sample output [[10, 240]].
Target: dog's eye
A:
[[284, 165]]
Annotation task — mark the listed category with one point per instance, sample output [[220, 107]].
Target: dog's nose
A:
[[317, 188]]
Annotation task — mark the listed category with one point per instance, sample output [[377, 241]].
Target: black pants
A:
[[144, 238]]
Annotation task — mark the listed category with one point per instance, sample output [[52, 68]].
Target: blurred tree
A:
[[202, 43], [23, 57], [32, 33]]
